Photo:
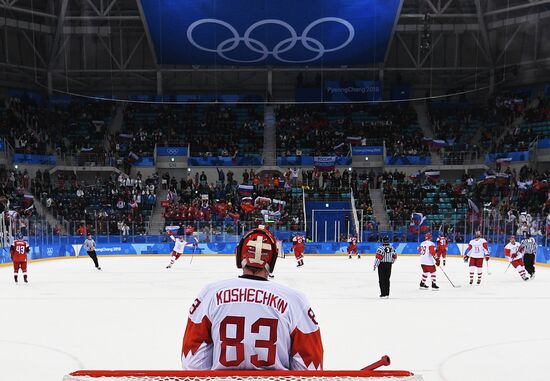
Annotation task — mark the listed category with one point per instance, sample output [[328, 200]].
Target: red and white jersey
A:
[[298, 240], [352, 241], [248, 323], [179, 245], [511, 249], [442, 243], [427, 253], [478, 248], [19, 250]]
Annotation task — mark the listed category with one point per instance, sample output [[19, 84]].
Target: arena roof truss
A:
[[95, 46]]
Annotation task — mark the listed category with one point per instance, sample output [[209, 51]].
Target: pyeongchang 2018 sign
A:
[[353, 91], [276, 32]]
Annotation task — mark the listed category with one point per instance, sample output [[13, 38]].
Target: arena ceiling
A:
[[103, 47]]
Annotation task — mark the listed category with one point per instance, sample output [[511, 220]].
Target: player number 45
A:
[[237, 342]]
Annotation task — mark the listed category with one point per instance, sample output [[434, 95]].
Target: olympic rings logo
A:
[[173, 151], [310, 43]]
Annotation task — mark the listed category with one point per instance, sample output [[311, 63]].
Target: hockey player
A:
[[476, 251], [249, 322], [298, 246], [18, 251], [514, 252], [428, 261], [179, 247], [442, 244], [352, 247]]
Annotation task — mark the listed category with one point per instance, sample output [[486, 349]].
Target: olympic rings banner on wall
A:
[[284, 32]]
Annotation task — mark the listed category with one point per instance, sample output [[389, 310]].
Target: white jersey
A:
[[427, 253], [249, 323], [179, 245], [478, 248], [513, 248]]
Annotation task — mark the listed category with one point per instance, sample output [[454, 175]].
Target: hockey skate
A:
[[384, 297], [169, 266], [99, 268], [358, 256], [423, 286], [443, 262], [526, 279], [435, 287], [349, 257]]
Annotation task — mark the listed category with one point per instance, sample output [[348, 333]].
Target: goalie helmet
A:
[[257, 248]]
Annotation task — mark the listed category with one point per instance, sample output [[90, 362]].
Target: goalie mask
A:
[[258, 248]]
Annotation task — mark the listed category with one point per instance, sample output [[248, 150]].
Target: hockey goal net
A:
[[363, 375]]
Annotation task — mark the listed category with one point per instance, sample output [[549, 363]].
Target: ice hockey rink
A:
[[132, 315]]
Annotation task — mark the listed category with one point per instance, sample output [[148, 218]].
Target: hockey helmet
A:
[[257, 248], [386, 240], [428, 236], [512, 237]]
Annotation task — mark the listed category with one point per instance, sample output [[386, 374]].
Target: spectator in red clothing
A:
[[82, 231]]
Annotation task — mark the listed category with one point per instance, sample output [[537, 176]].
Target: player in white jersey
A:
[[249, 322], [476, 251], [514, 252], [179, 247], [428, 261]]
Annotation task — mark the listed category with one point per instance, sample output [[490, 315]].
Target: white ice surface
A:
[[132, 315]]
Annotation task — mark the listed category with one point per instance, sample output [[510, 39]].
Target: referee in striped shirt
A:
[[530, 250], [385, 257]]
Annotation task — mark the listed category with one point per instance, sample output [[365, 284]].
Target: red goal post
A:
[[236, 375]]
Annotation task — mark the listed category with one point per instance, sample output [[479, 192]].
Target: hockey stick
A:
[[384, 361], [488, 271], [449, 279], [509, 264], [193, 254]]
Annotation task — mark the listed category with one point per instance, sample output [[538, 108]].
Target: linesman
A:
[[529, 252], [385, 257], [89, 246]]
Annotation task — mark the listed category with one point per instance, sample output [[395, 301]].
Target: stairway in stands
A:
[[270, 137], [156, 221], [425, 124], [379, 209]]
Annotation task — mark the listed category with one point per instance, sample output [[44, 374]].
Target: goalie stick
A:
[[384, 361]]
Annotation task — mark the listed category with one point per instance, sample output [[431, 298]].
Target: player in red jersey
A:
[[18, 251], [298, 246], [251, 323], [352, 247], [442, 244]]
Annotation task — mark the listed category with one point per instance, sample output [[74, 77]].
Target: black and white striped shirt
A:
[[385, 253], [530, 245]]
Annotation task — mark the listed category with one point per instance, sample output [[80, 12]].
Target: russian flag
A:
[[354, 140], [246, 190], [433, 175], [438, 143], [417, 218], [172, 229]]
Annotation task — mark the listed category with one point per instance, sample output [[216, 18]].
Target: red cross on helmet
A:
[[257, 248]]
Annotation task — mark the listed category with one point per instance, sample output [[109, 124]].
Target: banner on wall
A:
[[365, 150], [324, 163], [338, 91]]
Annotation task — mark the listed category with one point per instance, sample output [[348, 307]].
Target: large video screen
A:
[[276, 32]]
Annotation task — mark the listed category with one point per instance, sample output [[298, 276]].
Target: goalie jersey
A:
[[250, 323]]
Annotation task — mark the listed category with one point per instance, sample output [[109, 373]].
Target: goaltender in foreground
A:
[[249, 322]]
